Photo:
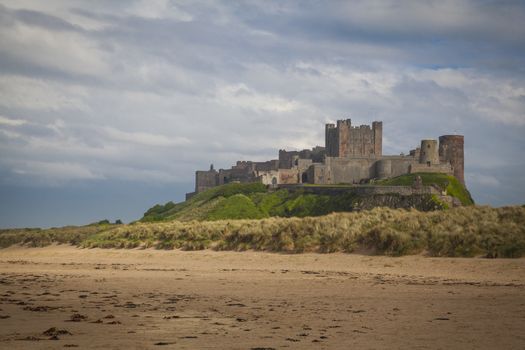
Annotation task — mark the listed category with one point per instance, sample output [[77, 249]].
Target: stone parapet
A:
[[363, 190]]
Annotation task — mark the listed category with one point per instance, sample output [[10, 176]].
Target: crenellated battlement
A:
[[346, 140]]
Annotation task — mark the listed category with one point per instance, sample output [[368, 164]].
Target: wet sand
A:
[[65, 297]]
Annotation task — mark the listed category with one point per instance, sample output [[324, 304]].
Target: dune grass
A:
[[36, 237], [459, 232]]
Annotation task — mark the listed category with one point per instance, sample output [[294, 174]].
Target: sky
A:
[[109, 107]]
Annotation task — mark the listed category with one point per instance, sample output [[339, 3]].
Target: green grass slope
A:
[[253, 201], [208, 205], [248, 201], [446, 182]]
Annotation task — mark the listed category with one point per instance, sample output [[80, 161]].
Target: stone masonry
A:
[[352, 155]]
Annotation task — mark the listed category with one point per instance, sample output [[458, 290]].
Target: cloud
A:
[[145, 139], [499, 99], [62, 50], [12, 122], [150, 91], [56, 13], [241, 96], [157, 9], [25, 93], [54, 171]]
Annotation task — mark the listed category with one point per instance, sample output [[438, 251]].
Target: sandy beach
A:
[[65, 297]]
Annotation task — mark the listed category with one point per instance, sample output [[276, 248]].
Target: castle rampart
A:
[[351, 155], [365, 190]]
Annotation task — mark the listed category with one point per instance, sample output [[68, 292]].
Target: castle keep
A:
[[352, 155]]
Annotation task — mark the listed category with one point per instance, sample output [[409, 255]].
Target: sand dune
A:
[[61, 297]]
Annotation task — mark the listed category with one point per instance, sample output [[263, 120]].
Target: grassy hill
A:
[[253, 201], [446, 182], [249, 201]]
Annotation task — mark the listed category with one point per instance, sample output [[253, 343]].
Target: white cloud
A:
[[19, 92], [54, 172], [66, 51], [241, 96], [61, 9], [12, 122], [499, 99], [143, 138], [156, 9]]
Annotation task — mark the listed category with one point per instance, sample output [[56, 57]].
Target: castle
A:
[[352, 155]]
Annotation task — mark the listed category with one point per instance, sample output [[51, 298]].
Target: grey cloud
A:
[[149, 97], [35, 18]]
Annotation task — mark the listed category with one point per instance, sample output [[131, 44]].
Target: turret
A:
[[451, 149], [429, 152]]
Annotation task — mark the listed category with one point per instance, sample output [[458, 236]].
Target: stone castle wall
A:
[[365, 190], [351, 155], [205, 180]]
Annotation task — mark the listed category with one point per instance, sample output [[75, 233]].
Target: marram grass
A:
[[465, 231]]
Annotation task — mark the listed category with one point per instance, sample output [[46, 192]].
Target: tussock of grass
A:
[[465, 231]]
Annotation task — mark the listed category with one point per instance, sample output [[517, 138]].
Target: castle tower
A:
[[451, 149], [377, 129], [429, 152], [344, 140], [331, 140], [344, 128]]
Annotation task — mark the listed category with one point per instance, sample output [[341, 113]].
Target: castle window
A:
[[428, 163]]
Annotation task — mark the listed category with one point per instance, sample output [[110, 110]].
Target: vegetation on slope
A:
[[465, 231], [199, 206], [253, 201], [446, 182], [36, 237]]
